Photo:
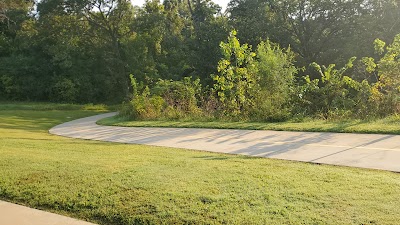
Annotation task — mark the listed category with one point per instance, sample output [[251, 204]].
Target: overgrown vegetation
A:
[[294, 58], [261, 86], [110, 183]]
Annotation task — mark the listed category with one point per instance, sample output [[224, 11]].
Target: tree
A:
[[253, 19], [109, 21], [322, 31], [386, 92], [236, 83], [160, 51]]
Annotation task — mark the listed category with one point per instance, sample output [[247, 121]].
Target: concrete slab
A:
[[375, 151], [12, 214]]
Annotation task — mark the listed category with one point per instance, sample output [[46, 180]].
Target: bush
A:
[[64, 90], [276, 72], [8, 88], [167, 99], [143, 107], [334, 96], [180, 95]]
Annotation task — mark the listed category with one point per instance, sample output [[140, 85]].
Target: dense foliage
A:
[[258, 60]]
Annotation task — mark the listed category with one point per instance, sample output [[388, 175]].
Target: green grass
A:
[[40, 106], [133, 184], [389, 125]]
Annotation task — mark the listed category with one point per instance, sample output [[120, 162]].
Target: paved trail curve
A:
[[375, 151]]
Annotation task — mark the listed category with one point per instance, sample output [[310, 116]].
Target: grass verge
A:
[[112, 183], [41, 106], [389, 125]]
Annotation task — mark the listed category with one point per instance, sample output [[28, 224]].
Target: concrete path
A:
[[12, 214], [356, 150]]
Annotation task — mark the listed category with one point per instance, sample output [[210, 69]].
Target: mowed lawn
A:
[[111, 183], [388, 125]]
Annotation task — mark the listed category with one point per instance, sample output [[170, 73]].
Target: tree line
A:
[[264, 59]]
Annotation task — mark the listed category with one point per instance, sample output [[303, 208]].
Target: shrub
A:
[[8, 87], [167, 99], [334, 96], [143, 106], [275, 71], [64, 90], [180, 95]]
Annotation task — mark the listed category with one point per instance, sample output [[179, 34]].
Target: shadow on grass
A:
[[211, 158]]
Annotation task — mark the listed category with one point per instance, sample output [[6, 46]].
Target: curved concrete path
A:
[[13, 214], [373, 151]]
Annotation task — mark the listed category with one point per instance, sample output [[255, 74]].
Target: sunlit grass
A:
[[389, 125], [134, 184]]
